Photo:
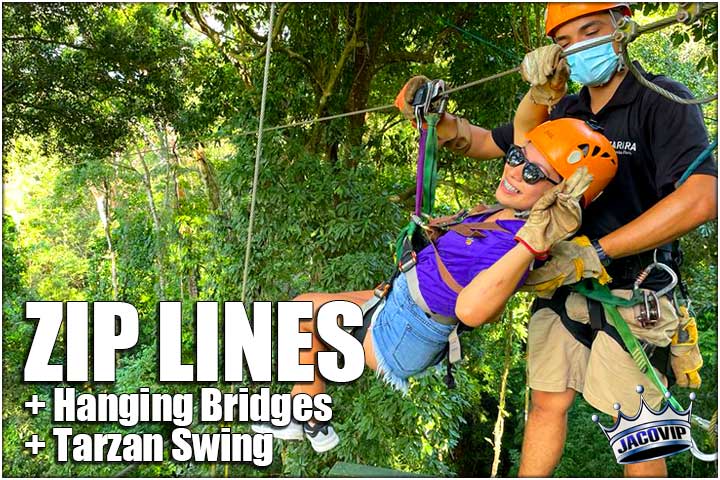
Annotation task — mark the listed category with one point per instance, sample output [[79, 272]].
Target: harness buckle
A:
[[382, 289], [405, 265]]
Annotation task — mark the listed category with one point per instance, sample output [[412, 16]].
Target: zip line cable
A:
[[258, 152], [617, 36], [511, 53]]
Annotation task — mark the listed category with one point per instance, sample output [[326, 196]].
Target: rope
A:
[[512, 54], [649, 28], [696, 163], [658, 89], [321, 119], [258, 152], [652, 27]]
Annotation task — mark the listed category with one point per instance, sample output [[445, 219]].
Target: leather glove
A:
[[685, 358], [555, 216], [570, 261], [460, 143], [404, 98], [546, 73]]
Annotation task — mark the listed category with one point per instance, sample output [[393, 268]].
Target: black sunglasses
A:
[[531, 173]]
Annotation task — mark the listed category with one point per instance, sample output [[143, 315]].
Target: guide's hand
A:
[[570, 262], [556, 215], [404, 98], [546, 73], [685, 358]]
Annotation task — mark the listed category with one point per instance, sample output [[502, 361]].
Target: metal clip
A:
[[626, 31], [688, 12], [429, 98], [417, 220], [405, 264], [649, 310], [382, 289], [644, 274]]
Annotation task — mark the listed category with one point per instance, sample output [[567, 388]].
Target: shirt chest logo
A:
[[624, 147]]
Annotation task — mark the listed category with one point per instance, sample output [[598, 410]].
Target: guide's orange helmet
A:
[[569, 143], [558, 13]]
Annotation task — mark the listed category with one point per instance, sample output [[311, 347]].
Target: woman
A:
[[469, 279]]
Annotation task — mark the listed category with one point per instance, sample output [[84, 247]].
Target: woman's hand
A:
[[555, 216]]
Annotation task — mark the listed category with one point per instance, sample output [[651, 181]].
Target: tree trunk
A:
[[159, 247], [500, 422], [168, 155], [103, 207], [208, 175]]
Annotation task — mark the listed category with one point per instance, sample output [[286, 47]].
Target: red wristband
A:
[[538, 255]]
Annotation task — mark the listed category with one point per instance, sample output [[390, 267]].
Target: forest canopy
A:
[[129, 140]]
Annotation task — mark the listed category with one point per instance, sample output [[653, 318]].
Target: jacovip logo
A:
[[652, 434]]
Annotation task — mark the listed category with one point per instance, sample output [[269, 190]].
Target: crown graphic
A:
[[649, 434]]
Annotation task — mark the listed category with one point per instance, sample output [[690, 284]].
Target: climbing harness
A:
[[423, 230], [428, 104], [592, 289]]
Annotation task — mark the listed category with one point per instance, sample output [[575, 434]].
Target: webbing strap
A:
[[445, 273], [420, 173], [637, 352], [591, 288], [430, 167]]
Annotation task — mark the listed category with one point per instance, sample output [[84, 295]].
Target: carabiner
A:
[[644, 274], [429, 98]]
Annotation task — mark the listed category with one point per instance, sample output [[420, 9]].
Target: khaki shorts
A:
[[605, 374]]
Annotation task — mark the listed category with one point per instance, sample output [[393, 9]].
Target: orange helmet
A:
[[569, 143], [558, 13]]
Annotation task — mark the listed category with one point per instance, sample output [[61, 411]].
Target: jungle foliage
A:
[[128, 154]]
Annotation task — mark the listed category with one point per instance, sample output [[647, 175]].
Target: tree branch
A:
[[401, 57], [349, 47], [213, 35], [47, 41]]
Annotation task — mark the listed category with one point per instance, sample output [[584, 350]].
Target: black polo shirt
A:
[[656, 139]]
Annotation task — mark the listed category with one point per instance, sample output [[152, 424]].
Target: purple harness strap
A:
[[420, 173]]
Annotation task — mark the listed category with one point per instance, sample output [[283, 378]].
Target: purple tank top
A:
[[464, 258]]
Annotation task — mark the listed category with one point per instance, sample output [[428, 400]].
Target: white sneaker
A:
[[291, 431], [322, 436]]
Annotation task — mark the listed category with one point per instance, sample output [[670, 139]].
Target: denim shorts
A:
[[405, 339]]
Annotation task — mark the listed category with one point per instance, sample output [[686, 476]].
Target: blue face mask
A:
[[594, 66]]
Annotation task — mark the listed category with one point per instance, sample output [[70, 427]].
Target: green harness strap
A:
[[430, 176], [592, 289]]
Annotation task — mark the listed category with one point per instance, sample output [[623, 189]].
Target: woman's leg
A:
[[308, 357]]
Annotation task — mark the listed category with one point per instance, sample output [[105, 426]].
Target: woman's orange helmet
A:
[[558, 13], [569, 143]]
